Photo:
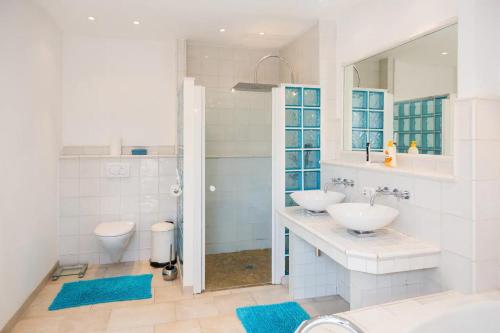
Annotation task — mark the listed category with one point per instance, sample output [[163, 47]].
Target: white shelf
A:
[[380, 167], [113, 156]]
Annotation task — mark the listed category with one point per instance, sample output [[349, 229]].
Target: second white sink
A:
[[362, 217], [317, 200]]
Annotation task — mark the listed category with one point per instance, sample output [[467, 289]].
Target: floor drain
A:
[[249, 266]]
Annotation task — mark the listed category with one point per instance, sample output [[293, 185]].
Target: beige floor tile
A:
[[38, 325], [227, 304], [269, 296], [42, 310], [221, 324], [85, 322], [252, 289], [195, 308], [316, 308], [142, 329], [184, 326], [170, 294], [143, 315]]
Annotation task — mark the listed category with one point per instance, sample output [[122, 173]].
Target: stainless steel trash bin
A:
[[162, 237]]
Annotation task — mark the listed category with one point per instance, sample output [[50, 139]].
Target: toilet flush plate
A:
[[117, 170]]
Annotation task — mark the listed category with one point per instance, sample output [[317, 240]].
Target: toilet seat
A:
[[114, 229]]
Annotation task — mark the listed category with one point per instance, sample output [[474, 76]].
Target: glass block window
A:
[[367, 119], [419, 120], [302, 145]]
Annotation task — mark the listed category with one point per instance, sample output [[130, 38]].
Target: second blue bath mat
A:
[[113, 289], [275, 318]]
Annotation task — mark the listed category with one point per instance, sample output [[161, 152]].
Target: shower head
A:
[[262, 87], [254, 87]]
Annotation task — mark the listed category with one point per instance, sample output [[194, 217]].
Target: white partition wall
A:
[[193, 181]]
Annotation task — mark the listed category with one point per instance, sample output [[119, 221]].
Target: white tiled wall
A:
[[88, 197], [237, 123], [238, 214]]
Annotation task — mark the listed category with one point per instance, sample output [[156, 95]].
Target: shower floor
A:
[[237, 269]]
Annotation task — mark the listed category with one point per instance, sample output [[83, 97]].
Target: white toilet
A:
[[114, 237]]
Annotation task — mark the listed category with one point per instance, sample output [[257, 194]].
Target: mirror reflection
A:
[[405, 94]]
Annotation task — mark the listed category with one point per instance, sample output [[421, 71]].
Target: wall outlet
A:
[[368, 191]]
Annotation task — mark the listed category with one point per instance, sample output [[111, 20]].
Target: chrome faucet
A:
[[338, 181], [307, 325], [398, 194]]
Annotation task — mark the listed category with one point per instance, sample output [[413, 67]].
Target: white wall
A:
[[118, 87], [29, 129], [303, 55], [417, 80], [88, 197], [466, 206]]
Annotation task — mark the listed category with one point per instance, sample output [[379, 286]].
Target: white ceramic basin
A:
[[317, 200], [362, 216]]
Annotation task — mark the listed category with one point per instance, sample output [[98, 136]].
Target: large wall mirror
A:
[[405, 94]]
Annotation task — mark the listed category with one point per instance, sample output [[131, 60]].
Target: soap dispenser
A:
[[390, 155]]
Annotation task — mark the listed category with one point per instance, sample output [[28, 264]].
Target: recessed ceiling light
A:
[[136, 22], [261, 33], [91, 18], [222, 30], [444, 53]]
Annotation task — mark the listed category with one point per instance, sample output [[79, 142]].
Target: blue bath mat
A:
[[113, 289], [275, 318]]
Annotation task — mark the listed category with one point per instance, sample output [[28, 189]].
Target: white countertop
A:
[[388, 252]]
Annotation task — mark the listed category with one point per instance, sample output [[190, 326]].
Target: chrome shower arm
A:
[[273, 56]]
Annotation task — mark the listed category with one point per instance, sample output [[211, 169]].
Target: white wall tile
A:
[[90, 168], [68, 226], [69, 168], [89, 187], [90, 206], [68, 187]]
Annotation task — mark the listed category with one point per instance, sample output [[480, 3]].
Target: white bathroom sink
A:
[[361, 216], [317, 200]]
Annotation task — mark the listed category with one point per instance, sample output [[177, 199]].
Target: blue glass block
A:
[[406, 109], [438, 106], [289, 201], [406, 124], [312, 97], [401, 139], [311, 138], [418, 138], [358, 139], [359, 99], [311, 159], [438, 141], [293, 96], [417, 108], [293, 138], [437, 124], [293, 117], [406, 140], [430, 140], [359, 119], [312, 118], [293, 160], [428, 123], [400, 110], [293, 181], [376, 120], [312, 180], [418, 124], [376, 100], [376, 140], [287, 265], [429, 109], [396, 124], [412, 124]]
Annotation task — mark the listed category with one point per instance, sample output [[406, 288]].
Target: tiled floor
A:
[[238, 269], [169, 311]]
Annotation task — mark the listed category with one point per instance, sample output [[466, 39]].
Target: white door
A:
[[194, 186]]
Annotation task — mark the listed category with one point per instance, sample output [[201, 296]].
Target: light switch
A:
[[117, 170]]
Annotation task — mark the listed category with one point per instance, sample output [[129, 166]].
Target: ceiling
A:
[[198, 20]]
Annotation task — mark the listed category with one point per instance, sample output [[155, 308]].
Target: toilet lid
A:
[[112, 229]]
